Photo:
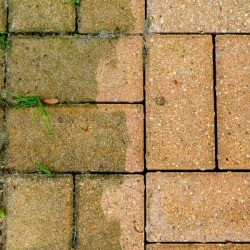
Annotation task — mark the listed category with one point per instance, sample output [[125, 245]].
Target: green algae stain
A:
[[113, 16], [99, 232]]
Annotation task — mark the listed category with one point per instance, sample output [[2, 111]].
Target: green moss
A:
[[100, 232], [110, 16]]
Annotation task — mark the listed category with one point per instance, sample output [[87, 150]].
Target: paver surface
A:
[[198, 16], [110, 212], [77, 69], [96, 138], [179, 100], [233, 77], [119, 16], [3, 15], [200, 207], [41, 16], [198, 247], [39, 212]]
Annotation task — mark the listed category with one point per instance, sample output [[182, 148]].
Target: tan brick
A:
[[1, 65], [86, 138], [3, 16], [233, 76], [110, 212], [198, 207], [77, 69], [117, 16], [41, 16], [198, 247], [180, 108], [2, 135], [39, 212], [199, 16]]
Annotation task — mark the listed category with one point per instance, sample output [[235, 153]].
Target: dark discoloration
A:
[[95, 230], [109, 16], [74, 148]]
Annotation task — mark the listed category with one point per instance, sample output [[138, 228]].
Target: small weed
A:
[[76, 35], [2, 214], [3, 40], [21, 102], [44, 170], [73, 2]]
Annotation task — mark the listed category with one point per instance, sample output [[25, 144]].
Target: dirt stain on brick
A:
[[97, 231]]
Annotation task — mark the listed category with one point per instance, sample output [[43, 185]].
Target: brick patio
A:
[[150, 145]]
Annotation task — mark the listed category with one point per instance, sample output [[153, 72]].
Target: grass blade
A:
[[44, 170]]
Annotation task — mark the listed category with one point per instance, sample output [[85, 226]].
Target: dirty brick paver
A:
[[39, 212], [180, 108], [117, 16], [233, 77], [198, 247], [201, 207], [3, 15], [1, 66], [86, 138], [198, 16], [110, 212], [41, 16], [77, 69]]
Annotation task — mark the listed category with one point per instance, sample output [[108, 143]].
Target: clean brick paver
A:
[[110, 212], [198, 16], [39, 212], [233, 77], [77, 69], [180, 108], [198, 247], [86, 138], [119, 16], [201, 207], [2, 15], [41, 16]]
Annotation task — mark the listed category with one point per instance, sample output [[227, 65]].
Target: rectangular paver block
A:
[[233, 76], [198, 207], [110, 212], [39, 212], [77, 69], [180, 108], [198, 247], [86, 138], [198, 16], [1, 66], [41, 16], [3, 15], [117, 16]]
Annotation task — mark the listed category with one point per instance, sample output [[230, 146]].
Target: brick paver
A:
[[201, 207], [110, 212], [180, 108], [86, 138], [233, 76], [1, 65], [199, 16], [2, 15], [198, 247], [39, 212], [117, 16], [41, 16], [77, 69]]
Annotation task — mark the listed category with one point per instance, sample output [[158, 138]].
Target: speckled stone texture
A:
[[1, 66], [110, 212], [199, 16], [41, 16], [180, 108], [198, 207], [198, 247], [233, 77], [77, 69], [86, 138], [3, 15], [116, 16], [39, 212], [1, 132]]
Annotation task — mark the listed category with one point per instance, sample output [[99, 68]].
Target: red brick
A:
[[232, 61], [180, 107]]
